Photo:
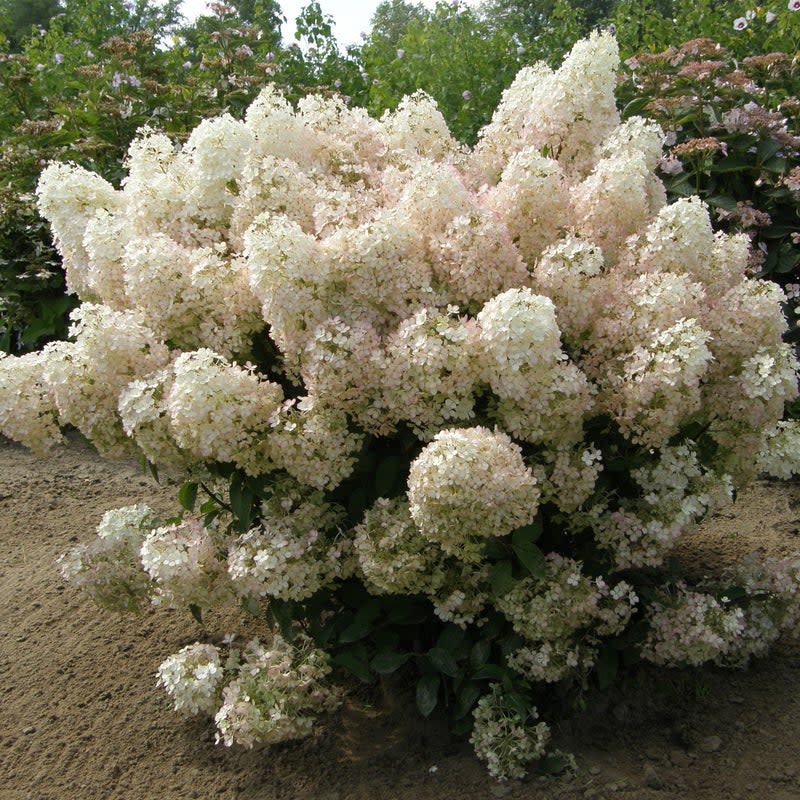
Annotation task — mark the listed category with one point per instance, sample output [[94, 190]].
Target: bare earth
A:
[[81, 717]]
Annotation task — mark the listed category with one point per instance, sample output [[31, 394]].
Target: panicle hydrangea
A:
[[476, 258], [192, 678], [296, 550], [433, 195], [502, 738], [772, 590], [690, 628], [780, 456], [567, 111], [676, 491], [145, 419], [469, 484], [288, 276], [87, 376], [217, 150], [27, 410], [191, 296], [183, 560], [532, 199], [430, 372], [551, 662], [393, 556], [221, 411], [566, 273], [313, 443], [276, 694], [564, 601], [104, 240], [542, 396], [69, 197], [568, 476], [108, 569], [383, 265], [459, 592], [417, 128], [658, 386], [614, 201], [273, 186]]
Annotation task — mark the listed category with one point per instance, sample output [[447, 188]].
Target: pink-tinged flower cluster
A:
[[109, 569], [276, 693]]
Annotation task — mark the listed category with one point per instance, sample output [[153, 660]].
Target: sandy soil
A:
[[81, 717]]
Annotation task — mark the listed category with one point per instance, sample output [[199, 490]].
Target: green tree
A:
[[19, 17]]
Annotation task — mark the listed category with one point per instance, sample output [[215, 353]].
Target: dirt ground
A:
[[81, 717]]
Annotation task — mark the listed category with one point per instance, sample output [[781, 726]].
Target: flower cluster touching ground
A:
[[481, 383]]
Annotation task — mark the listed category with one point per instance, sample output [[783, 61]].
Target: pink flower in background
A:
[[58, 58], [466, 94], [739, 24], [794, 5]]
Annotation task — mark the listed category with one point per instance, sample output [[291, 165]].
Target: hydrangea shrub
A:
[[441, 410]]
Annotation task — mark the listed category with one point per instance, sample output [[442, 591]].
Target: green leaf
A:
[[196, 612], [354, 660], [777, 165], [500, 578], [766, 149], [607, 665], [443, 661], [479, 654], [362, 623], [722, 201], [241, 502], [451, 638], [733, 164], [491, 671], [187, 495], [518, 703], [529, 555], [388, 662], [407, 610], [467, 696], [427, 694]]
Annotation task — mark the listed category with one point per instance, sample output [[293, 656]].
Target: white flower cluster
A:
[[109, 569], [780, 456], [561, 616], [183, 561], [192, 677], [276, 693], [469, 484], [691, 628], [675, 492], [503, 739], [296, 549], [258, 695]]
